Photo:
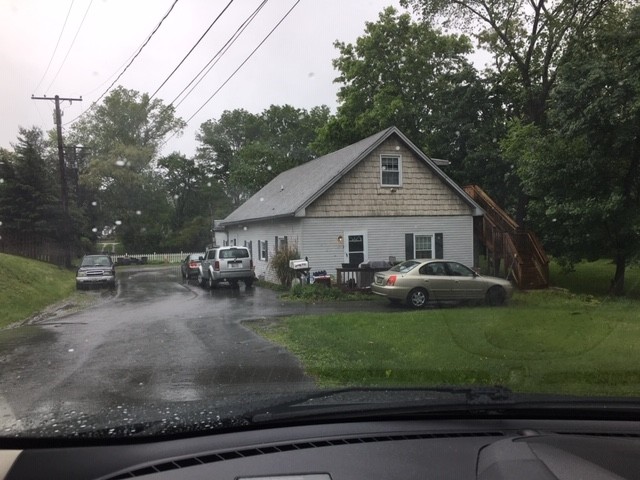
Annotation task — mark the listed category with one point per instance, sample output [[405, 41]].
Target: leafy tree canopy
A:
[[595, 144], [244, 151]]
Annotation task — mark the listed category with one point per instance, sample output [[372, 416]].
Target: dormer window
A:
[[390, 170]]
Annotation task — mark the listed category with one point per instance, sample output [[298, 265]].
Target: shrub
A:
[[279, 264]]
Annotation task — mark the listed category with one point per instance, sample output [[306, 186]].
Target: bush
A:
[[279, 264]]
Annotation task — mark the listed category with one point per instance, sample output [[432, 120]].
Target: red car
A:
[[189, 266]]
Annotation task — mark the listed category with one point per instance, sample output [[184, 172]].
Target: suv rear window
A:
[[234, 253]]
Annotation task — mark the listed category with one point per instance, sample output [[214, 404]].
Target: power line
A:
[[245, 61], [56, 47], [93, 104], [133, 55], [219, 54], [237, 69], [192, 48], [72, 43]]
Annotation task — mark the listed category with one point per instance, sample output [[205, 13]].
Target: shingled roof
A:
[[293, 190]]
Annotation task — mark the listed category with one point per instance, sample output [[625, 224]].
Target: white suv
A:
[[226, 264]]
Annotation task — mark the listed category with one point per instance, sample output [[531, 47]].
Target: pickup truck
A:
[[226, 264]]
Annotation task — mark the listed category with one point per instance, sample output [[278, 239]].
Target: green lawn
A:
[[27, 286], [594, 278], [543, 341]]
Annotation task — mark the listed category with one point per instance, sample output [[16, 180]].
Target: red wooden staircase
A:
[[511, 249]]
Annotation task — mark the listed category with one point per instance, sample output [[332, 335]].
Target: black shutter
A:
[[408, 246], [286, 242], [276, 244], [439, 246], [266, 250]]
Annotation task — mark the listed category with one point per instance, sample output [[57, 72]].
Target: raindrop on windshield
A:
[[120, 163], [94, 204], [269, 167], [94, 229], [118, 222], [138, 212], [208, 184], [176, 196], [262, 199]]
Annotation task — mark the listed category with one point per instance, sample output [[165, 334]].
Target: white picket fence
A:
[[157, 257]]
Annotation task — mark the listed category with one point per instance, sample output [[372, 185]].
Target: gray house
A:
[[378, 198]]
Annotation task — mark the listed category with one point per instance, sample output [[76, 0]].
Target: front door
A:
[[355, 248]]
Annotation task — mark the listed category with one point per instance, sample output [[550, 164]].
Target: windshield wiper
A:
[[367, 402]]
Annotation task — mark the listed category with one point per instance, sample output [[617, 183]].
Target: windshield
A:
[[299, 197], [93, 261]]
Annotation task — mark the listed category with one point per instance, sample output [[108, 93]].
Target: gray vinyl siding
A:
[[317, 238], [266, 231], [385, 237]]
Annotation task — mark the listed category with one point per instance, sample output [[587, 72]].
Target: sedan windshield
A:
[[209, 209]]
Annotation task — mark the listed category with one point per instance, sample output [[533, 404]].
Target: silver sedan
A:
[[418, 282]]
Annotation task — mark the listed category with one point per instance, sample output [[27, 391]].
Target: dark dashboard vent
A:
[[602, 434], [203, 459]]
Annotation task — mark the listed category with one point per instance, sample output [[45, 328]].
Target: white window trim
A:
[[433, 245], [261, 257], [391, 155]]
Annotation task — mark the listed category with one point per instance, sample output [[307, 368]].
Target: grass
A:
[[27, 286], [594, 278], [581, 343], [320, 293]]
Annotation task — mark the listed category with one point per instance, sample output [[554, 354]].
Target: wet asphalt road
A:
[[157, 340]]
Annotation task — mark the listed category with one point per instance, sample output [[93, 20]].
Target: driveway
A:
[[157, 341]]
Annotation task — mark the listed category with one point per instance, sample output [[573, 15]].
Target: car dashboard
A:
[[481, 449]]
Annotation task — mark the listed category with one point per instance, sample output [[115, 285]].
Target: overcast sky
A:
[[292, 67]]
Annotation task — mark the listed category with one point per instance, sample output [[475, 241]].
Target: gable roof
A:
[[293, 190]]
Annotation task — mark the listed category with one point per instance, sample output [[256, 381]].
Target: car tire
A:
[[234, 284], [418, 298], [212, 282], [496, 296], [201, 280], [248, 282]]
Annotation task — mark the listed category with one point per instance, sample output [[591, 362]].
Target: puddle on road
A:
[[21, 337]]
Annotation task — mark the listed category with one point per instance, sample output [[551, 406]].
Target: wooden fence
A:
[[42, 249]]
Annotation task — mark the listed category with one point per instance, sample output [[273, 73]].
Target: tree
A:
[[595, 142], [119, 182], [410, 75], [197, 199], [29, 193], [221, 140], [527, 39], [127, 118], [245, 151]]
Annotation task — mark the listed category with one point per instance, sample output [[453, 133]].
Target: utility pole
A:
[[64, 188]]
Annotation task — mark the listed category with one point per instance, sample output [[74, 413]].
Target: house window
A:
[[281, 243], [390, 171], [263, 250], [423, 246]]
